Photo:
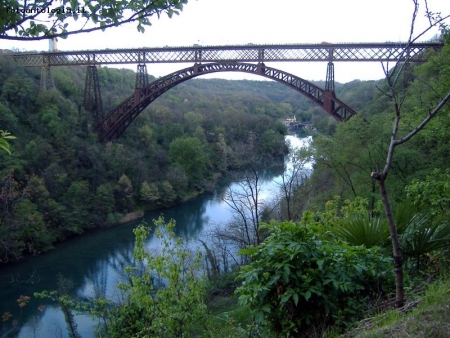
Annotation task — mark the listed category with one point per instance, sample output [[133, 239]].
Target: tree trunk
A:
[[397, 255]]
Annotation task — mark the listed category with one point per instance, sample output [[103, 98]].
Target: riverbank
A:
[[94, 261]]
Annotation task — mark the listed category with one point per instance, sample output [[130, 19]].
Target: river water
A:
[[94, 262]]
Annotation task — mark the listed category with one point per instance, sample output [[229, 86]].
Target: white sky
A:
[[217, 22]]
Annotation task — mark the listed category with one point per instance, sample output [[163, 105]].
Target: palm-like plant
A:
[[418, 233], [364, 229]]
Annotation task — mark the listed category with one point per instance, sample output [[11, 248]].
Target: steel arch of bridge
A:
[[118, 120]]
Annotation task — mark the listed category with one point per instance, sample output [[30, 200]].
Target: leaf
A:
[[4, 146], [307, 295], [285, 298], [320, 264]]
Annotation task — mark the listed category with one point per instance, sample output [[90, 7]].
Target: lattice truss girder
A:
[[92, 102], [258, 53], [120, 118]]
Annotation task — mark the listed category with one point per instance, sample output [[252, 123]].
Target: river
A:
[[94, 262]]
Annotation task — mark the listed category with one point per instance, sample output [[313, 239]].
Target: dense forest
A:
[[324, 265], [59, 181]]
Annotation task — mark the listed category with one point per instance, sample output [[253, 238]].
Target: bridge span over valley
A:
[[248, 58]]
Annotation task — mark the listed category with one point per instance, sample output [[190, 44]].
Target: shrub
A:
[[298, 279]]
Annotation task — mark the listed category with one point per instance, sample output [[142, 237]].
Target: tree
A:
[[22, 227], [78, 202], [293, 175], [246, 205], [42, 19], [396, 78], [166, 193], [149, 192], [189, 153], [104, 203], [193, 120], [123, 192]]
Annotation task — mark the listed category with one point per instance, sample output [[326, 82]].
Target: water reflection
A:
[[95, 262]]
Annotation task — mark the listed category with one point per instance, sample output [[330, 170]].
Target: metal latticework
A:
[[92, 98], [415, 52], [141, 76], [329, 82], [116, 122], [46, 78]]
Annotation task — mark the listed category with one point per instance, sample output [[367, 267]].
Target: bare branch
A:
[[425, 121], [383, 92]]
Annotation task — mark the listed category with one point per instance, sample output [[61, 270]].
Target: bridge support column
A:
[[141, 82], [329, 82], [92, 98], [196, 68], [261, 68], [46, 79], [141, 76]]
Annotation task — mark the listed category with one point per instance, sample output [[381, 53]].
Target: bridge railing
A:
[[388, 51]]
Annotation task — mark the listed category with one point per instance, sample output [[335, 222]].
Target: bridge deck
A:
[[388, 51]]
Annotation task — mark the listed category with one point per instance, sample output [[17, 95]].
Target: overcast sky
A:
[[225, 22]]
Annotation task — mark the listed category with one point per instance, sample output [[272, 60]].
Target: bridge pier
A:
[[329, 82], [329, 102], [92, 99], [141, 82], [261, 68], [141, 76], [196, 68], [46, 79]]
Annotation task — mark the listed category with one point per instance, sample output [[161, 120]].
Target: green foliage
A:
[[271, 142], [189, 153], [76, 183], [124, 193], [104, 203], [419, 235], [364, 229], [193, 120], [149, 192], [79, 204], [4, 136], [431, 193], [298, 279], [167, 194], [101, 14], [164, 296], [22, 227]]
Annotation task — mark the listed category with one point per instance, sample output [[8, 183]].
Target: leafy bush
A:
[[298, 279], [165, 293]]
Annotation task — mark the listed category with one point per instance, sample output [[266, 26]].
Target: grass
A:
[[428, 316], [226, 314]]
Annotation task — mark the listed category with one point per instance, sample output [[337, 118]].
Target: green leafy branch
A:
[[4, 136], [38, 20]]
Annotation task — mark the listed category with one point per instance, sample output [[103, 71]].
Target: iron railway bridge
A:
[[211, 59]]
